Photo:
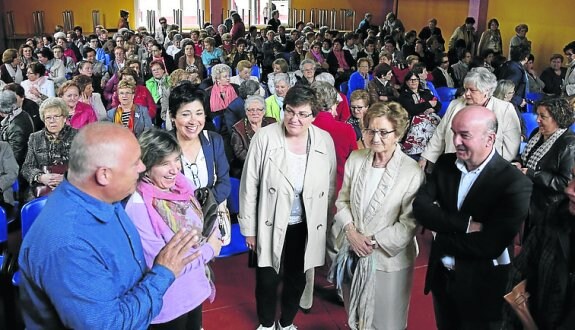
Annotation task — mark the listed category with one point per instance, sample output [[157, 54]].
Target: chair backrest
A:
[[531, 99], [530, 120], [30, 212], [432, 88], [446, 94], [256, 71], [234, 198], [3, 226], [217, 120]]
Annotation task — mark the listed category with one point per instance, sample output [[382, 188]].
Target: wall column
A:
[[478, 9], [216, 7]]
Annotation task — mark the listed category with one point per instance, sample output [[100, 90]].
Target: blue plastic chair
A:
[[3, 229], [530, 120], [432, 88], [444, 106], [234, 197], [446, 94], [533, 98], [237, 244], [28, 215], [343, 87], [217, 120], [573, 128], [256, 72]]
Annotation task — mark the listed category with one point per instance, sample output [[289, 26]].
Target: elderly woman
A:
[[275, 103], [38, 87], [316, 56], [280, 65], [240, 53], [381, 87], [88, 96], [359, 103], [80, 114], [142, 95], [222, 93], [520, 38], [157, 84], [244, 130], [287, 186], [129, 114], [191, 60], [211, 55], [341, 63], [505, 90], [10, 70], [536, 85], [227, 47], [553, 75], [374, 266], [361, 78], [244, 70], [479, 85], [236, 110], [159, 54], [55, 68], [204, 162], [342, 111], [549, 157], [49, 147], [307, 68], [422, 107], [163, 204], [491, 39]]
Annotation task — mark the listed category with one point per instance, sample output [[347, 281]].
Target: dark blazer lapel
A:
[[482, 185]]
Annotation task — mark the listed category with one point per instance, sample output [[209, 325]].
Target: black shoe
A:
[[305, 310]]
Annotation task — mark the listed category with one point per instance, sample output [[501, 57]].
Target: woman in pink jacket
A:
[[80, 114]]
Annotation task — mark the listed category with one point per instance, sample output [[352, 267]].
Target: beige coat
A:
[[266, 194], [389, 216], [507, 140]]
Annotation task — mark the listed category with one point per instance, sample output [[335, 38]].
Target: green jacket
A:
[[272, 108], [153, 87]]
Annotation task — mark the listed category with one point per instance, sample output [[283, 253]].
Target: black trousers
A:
[[447, 315], [192, 320], [292, 274]]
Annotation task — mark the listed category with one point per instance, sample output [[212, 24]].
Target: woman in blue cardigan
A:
[[360, 78], [204, 161]]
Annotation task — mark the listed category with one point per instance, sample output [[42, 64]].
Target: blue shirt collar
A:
[[99, 209]]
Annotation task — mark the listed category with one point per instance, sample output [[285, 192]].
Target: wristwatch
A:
[[37, 178]]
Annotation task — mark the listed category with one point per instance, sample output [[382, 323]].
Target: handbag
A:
[[43, 190], [518, 299], [420, 131]]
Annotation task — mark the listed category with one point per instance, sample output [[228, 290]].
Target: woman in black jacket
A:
[[549, 157]]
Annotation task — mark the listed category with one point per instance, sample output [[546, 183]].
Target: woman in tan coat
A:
[[287, 185], [377, 246]]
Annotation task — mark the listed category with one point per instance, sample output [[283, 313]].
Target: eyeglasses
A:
[[301, 115], [52, 118], [371, 133], [357, 107], [252, 110], [125, 93], [28, 72], [413, 80]]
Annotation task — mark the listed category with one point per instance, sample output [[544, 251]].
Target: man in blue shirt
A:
[[82, 262]]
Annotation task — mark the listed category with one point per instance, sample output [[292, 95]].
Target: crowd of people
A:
[[342, 156]]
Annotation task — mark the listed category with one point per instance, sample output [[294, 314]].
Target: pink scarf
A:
[[318, 57], [176, 208], [221, 97], [341, 59]]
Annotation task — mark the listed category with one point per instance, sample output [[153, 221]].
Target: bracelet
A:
[[349, 228]]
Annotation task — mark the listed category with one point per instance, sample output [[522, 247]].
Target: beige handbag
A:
[[518, 299]]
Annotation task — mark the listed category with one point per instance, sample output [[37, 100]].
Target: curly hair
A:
[[559, 109], [393, 111]]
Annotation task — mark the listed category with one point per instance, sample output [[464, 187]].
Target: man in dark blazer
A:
[[514, 70], [474, 203]]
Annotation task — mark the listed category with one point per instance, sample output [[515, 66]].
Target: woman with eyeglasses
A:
[[49, 146], [287, 186], [204, 161], [129, 114], [37, 87], [80, 114], [359, 103], [422, 107], [374, 266], [244, 130]]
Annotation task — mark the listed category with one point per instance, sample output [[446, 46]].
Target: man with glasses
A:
[[569, 84], [443, 74]]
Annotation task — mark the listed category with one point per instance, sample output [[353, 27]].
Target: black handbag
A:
[[209, 209]]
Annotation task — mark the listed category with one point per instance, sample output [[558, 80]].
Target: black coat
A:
[[499, 199], [334, 64], [551, 176], [439, 79], [16, 133]]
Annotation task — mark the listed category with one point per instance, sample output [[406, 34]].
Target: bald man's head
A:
[[474, 129], [105, 160]]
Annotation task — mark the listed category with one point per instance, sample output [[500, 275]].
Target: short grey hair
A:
[[248, 87], [327, 77], [326, 95], [482, 79], [88, 153], [53, 103], [281, 77], [306, 61], [156, 145], [8, 101], [218, 69], [254, 98]]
